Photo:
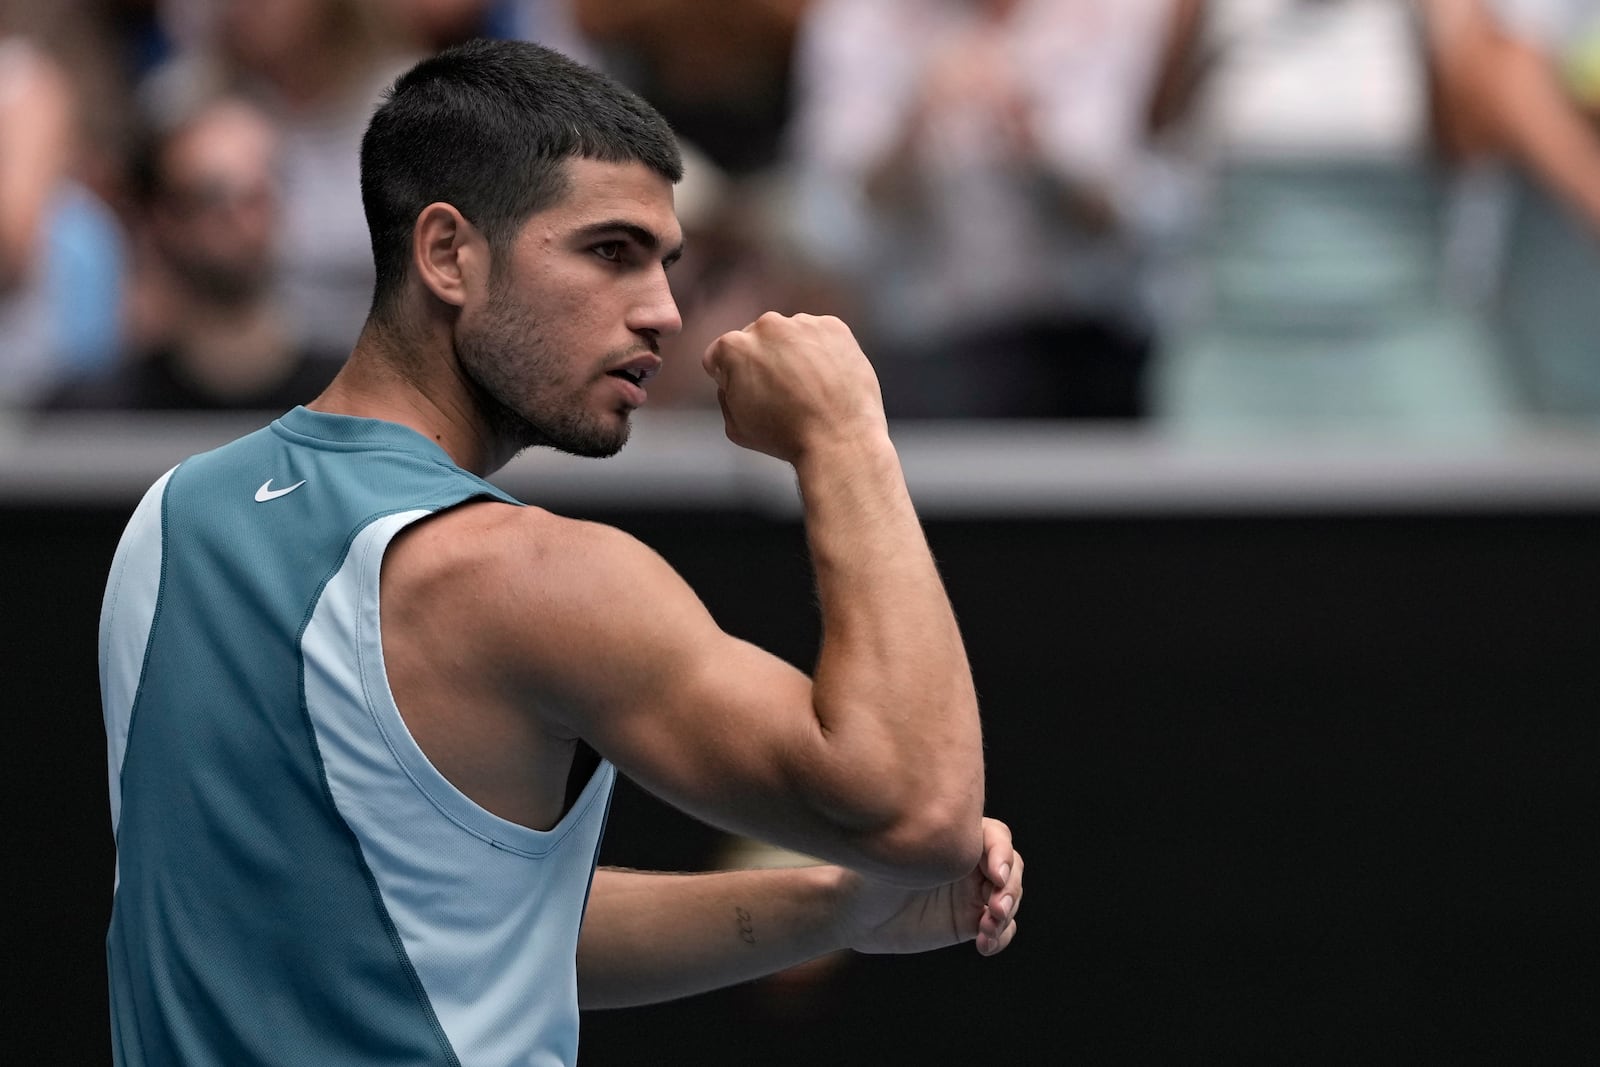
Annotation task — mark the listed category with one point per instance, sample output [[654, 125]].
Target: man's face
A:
[[561, 344], [216, 213]]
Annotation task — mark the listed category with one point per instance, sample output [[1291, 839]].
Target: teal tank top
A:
[[295, 882]]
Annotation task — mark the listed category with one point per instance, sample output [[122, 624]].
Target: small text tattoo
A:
[[747, 930]]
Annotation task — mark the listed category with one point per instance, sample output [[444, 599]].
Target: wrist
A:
[[843, 448], [838, 887]]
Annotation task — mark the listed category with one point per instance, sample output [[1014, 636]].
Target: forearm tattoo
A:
[[747, 929]]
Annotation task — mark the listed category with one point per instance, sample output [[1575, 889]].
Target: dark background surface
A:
[[1310, 788]]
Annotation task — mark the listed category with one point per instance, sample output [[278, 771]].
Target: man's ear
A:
[[450, 256]]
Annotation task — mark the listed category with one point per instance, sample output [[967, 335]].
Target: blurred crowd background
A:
[[1220, 217]]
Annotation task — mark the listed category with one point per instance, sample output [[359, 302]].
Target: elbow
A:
[[932, 856], [908, 838], [934, 845], [905, 810]]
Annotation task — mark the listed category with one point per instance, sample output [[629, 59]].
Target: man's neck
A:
[[383, 380]]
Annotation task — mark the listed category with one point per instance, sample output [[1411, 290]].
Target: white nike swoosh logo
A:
[[266, 493]]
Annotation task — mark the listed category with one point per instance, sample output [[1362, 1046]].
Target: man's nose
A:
[[657, 311]]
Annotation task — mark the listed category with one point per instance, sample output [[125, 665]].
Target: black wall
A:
[[1290, 789]]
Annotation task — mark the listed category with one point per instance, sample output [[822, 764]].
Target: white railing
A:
[[680, 460]]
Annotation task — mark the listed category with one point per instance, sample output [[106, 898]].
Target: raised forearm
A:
[[892, 687], [651, 937], [890, 757]]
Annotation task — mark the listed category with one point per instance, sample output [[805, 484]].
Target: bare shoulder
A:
[[487, 551], [539, 592], [489, 534]]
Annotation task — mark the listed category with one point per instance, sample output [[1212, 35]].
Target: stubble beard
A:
[[512, 370]]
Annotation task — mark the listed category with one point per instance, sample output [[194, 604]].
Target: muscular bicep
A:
[[615, 648]]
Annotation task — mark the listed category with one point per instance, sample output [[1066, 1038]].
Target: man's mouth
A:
[[638, 372]]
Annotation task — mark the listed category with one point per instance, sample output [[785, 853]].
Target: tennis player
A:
[[365, 710]]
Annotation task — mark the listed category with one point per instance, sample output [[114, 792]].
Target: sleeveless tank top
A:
[[295, 882]]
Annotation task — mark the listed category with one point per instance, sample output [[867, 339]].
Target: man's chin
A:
[[595, 451], [589, 442]]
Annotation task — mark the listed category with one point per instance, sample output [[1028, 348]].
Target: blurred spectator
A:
[[432, 25], [319, 67], [977, 168], [213, 334], [1328, 134], [61, 255], [138, 37], [717, 69], [1535, 66], [1521, 78]]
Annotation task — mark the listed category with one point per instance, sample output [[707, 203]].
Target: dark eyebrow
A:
[[646, 239]]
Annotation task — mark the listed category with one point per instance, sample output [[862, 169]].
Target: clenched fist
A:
[[787, 384]]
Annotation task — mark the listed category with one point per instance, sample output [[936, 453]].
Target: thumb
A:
[[728, 425], [995, 863], [712, 362]]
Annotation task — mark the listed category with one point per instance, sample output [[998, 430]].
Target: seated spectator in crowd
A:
[[976, 167], [61, 246], [319, 67], [215, 332]]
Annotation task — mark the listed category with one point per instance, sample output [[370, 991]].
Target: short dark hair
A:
[[487, 127]]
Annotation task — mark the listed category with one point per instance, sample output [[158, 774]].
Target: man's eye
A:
[[610, 251]]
